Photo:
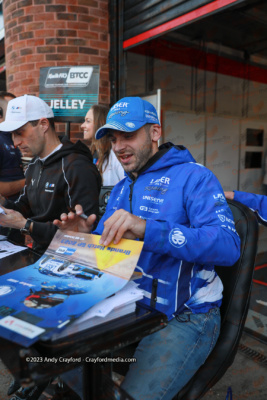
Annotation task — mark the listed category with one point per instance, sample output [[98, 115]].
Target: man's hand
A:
[[73, 222], [122, 224], [12, 219], [229, 195]]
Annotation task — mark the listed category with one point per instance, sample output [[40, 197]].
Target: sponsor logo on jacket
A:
[[177, 238], [163, 180], [158, 188], [160, 184], [223, 218], [153, 199], [219, 197], [149, 209], [49, 187]]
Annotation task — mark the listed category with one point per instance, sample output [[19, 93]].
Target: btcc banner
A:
[[69, 91], [75, 273]]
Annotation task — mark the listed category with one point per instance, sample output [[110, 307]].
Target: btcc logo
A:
[[69, 76]]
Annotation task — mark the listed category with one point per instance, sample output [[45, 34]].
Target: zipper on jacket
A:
[[40, 173], [154, 293], [131, 196]]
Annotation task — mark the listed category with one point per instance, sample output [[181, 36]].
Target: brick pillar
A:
[[44, 33]]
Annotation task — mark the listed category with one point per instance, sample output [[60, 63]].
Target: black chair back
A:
[[237, 281], [104, 198]]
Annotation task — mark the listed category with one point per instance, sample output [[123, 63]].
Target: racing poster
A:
[[74, 273]]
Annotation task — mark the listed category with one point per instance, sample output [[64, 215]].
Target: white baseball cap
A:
[[24, 109]]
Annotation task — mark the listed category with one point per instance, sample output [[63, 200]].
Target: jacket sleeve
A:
[[82, 186], [210, 239], [21, 204], [256, 202]]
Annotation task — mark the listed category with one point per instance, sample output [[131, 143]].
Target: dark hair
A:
[[103, 145], [7, 94], [50, 120]]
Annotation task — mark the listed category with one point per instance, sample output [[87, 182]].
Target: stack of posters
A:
[[75, 273], [7, 248], [121, 303]]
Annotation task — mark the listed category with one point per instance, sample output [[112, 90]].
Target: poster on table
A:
[[74, 273]]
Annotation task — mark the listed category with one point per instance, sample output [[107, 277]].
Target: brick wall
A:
[[44, 33]]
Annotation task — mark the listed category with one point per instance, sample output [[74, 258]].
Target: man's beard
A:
[[141, 156]]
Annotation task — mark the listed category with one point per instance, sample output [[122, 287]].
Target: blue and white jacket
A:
[[256, 202], [189, 229]]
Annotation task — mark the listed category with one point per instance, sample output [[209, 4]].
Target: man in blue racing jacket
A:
[[177, 207]]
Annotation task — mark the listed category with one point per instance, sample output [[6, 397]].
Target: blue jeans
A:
[[167, 359]]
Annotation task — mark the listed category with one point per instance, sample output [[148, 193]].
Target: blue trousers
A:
[[167, 359]]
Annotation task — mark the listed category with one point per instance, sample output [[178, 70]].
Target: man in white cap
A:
[[60, 175], [177, 208]]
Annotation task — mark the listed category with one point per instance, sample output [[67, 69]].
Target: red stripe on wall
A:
[[177, 53], [260, 267], [260, 282], [183, 19]]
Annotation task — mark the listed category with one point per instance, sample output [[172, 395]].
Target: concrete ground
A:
[[246, 377]]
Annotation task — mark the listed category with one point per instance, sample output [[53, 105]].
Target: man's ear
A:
[[155, 132], [44, 123]]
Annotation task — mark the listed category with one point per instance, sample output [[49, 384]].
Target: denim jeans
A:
[[167, 359]]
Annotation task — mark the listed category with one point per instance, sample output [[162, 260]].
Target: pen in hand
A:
[[83, 216]]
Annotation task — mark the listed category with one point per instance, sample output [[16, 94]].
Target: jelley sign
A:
[[70, 91]]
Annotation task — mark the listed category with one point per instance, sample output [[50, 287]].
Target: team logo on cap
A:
[[130, 124]]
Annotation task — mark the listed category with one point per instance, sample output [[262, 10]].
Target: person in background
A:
[[256, 202], [11, 173], [61, 173], [104, 157], [170, 203]]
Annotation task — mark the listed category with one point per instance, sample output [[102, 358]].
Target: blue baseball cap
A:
[[128, 115]]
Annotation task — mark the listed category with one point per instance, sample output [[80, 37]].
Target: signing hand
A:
[[122, 224], [12, 219], [73, 222]]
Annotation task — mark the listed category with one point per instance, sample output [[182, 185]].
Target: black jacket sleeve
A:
[[82, 183]]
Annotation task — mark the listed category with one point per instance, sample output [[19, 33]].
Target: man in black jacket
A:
[[60, 175]]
